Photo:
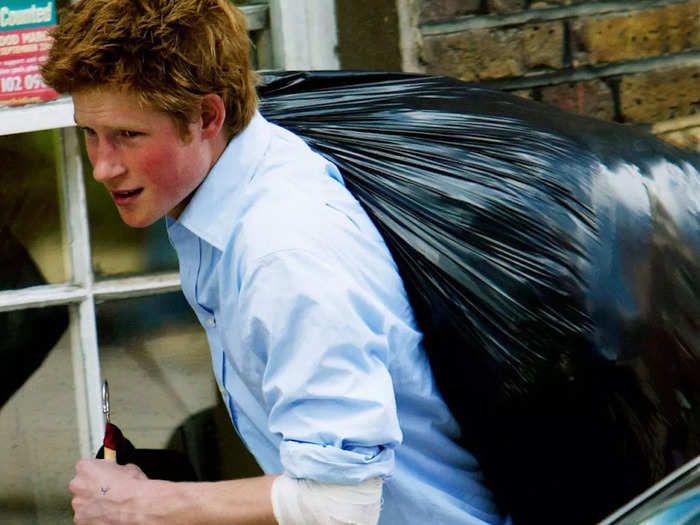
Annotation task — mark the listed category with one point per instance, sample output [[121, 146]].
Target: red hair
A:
[[168, 52]]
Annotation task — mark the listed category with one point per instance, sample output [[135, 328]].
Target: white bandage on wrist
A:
[[307, 502]]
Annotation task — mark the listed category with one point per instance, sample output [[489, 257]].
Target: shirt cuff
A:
[[330, 464]]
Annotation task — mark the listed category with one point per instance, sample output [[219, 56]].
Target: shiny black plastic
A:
[[553, 262]]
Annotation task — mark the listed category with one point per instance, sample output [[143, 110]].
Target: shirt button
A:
[[211, 322]]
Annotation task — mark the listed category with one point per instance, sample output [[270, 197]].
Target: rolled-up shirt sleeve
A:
[[324, 336]]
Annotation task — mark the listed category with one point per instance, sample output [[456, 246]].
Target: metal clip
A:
[[105, 400]]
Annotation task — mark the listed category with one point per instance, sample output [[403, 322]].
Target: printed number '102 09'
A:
[[15, 83], [8, 84]]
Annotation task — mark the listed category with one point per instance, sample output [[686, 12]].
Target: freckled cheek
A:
[[162, 168]]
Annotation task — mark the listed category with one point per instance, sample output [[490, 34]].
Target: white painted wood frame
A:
[[304, 34]]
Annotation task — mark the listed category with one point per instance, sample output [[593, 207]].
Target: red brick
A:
[[592, 98], [443, 10], [641, 34], [660, 95], [495, 53]]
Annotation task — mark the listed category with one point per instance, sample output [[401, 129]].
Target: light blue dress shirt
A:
[[313, 342]]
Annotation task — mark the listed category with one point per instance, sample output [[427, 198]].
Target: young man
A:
[[313, 341]]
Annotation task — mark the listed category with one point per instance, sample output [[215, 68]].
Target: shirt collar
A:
[[208, 214]]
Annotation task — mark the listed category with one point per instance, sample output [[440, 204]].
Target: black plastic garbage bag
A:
[[553, 262]]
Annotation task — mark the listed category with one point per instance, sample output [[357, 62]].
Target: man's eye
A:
[[129, 134], [88, 131]]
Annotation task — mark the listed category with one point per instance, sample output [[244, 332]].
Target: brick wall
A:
[[632, 61]]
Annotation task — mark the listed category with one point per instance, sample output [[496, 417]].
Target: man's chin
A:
[[137, 221]]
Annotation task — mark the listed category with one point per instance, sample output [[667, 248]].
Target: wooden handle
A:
[[110, 454]]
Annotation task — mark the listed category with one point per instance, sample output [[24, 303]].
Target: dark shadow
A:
[[27, 335]]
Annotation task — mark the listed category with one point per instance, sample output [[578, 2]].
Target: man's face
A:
[[137, 153]]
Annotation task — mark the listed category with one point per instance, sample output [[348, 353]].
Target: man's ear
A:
[[213, 114]]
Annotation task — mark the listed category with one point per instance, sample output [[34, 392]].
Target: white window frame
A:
[[298, 34], [304, 34]]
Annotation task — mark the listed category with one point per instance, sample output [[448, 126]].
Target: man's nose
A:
[[106, 164]]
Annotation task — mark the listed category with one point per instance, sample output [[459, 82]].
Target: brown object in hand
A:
[[113, 437]]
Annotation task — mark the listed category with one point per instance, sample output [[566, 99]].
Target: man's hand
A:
[[105, 493]]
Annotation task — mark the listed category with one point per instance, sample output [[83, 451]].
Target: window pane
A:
[[30, 225], [156, 359], [38, 440]]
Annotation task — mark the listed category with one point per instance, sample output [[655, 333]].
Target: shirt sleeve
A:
[[325, 337]]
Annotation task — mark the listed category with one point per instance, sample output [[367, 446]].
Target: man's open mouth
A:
[[127, 193], [122, 197]]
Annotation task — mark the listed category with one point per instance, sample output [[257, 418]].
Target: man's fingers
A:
[[82, 465], [74, 486]]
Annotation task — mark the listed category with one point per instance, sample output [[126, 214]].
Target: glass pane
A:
[[261, 50], [156, 359], [30, 224], [118, 249], [38, 434]]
